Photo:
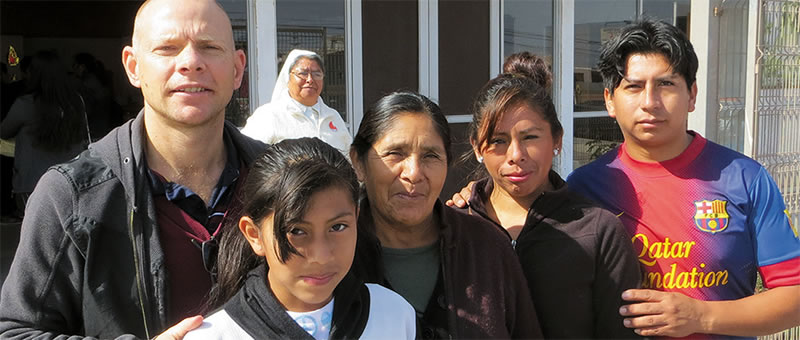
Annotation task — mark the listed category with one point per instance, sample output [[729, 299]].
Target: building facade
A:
[[749, 52]]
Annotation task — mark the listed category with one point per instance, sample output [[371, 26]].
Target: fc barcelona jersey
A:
[[702, 223]]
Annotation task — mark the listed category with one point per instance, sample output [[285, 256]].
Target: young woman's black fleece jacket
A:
[[89, 262], [578, 260]]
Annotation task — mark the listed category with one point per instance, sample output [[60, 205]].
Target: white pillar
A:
[[354, 74], [750, 95], [704, 31], [262, 46], [563, 82], [429, 49], [496, 30]]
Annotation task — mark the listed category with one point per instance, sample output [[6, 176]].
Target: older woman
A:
[[458, 271], [296, 109]]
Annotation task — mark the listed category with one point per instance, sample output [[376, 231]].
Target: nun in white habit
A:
[[296, 109]]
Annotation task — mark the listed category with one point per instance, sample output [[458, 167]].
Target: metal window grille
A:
[[777, 113], [594, 136], [238, 108], [777, 130]]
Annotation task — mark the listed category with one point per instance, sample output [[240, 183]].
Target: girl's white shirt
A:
[[390, 317], [317, 322]]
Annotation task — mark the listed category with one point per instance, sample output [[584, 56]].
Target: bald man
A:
[[120, 242]]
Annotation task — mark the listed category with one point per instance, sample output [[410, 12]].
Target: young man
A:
[[117, 242], [703, 218]]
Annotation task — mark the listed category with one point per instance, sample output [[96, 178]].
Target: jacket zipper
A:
[[527, 227], [486, 216], [139, 288]]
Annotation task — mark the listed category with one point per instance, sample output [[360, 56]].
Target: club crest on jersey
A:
[[711, 216]]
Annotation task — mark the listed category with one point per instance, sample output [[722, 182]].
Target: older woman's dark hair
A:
[[280, 181], [525, 81], [383, 113], [647, 37]]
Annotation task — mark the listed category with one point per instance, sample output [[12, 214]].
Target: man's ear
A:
[[609, 103], [131, 66], [252, 233], [692, 97], [358, 166], [239, 62]]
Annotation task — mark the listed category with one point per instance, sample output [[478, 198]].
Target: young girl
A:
[[284, 274]]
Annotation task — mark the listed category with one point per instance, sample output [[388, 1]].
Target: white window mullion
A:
[[495, 38], [355, 81], [704, 37], [262, 44], [429, 49], [563, 82], [751, 97]]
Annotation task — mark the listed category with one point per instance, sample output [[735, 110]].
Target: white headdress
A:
[[282, 84]]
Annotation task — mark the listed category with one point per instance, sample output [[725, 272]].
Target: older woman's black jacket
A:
[[481, 292], [577, 259]]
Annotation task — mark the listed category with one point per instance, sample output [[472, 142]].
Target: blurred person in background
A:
[[104, 113], [11, 88], [48, 123]]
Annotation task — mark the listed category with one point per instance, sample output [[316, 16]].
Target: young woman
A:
[[576, 256], [284, 272]]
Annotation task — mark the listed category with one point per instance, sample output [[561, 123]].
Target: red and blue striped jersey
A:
[[702, 223]]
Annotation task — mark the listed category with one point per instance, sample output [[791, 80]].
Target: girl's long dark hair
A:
[[62, 118], [280, 181]]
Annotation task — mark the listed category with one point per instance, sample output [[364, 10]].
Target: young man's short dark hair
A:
[[647, 36]]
